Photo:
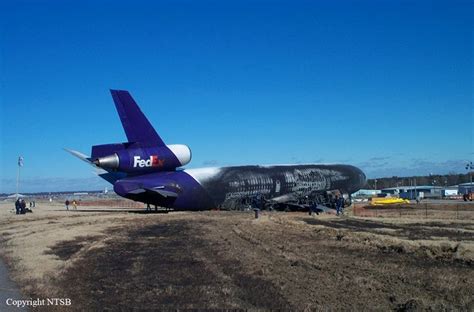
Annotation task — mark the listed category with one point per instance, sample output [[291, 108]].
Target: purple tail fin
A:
[[136, 125]]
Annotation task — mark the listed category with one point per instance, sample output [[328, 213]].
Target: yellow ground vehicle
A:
[[380, 201]]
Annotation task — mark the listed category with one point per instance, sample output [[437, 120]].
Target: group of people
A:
[[20, 206], [67, 203]]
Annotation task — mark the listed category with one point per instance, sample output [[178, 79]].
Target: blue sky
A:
[[384, 85]]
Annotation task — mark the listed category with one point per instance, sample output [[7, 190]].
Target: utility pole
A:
[[469, 168], [414, 183], [20, 164]]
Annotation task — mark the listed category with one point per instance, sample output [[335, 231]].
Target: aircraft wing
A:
[[159, 190], [290, 201], [138, 187]]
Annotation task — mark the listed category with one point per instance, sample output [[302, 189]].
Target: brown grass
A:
[[114, 261]]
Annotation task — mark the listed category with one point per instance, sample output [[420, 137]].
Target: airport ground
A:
[[104, 258]]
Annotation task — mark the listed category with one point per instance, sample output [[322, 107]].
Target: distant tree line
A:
[[435, 179]]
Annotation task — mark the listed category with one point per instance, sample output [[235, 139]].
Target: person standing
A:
[[74, 204], [17, 206], [338, 206], [67, 204], [341, 204], [23, 206]]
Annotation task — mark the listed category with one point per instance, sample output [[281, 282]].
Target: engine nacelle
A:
[[146, 159]]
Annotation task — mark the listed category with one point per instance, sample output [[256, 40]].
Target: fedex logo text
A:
[[153, 161]]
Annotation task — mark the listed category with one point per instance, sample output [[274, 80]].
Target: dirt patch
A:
[[157, 266], [64, 250]]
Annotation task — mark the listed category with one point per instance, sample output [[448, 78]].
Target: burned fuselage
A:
[[227, 186]]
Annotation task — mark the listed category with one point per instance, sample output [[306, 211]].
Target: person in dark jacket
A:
[[17, 206], [67, 204], [341, 199], [23, 206]]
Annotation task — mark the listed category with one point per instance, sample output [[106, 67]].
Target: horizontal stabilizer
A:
[[136, 125], [81, 156], [110, 177]]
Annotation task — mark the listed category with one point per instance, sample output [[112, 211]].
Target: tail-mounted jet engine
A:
[[133, 159]]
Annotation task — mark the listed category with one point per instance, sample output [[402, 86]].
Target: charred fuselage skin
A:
[[211, 188]]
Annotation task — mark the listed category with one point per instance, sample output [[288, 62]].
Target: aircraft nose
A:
[[363, 180], [358, 177]]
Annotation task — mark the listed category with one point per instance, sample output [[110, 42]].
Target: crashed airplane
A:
[[147, 170]]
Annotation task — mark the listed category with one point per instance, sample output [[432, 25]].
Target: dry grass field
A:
[[453, 210], [105, 259]]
